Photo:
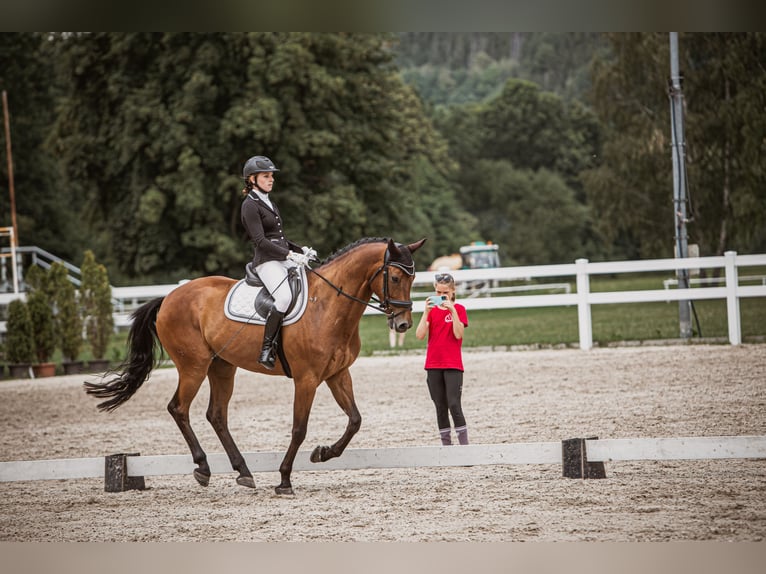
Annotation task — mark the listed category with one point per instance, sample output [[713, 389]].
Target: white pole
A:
[[679, 182], [732, 301], [583, 305]]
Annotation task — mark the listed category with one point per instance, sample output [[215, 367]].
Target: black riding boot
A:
[[270, 332]]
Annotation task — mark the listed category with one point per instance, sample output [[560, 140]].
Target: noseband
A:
[[387, 302]]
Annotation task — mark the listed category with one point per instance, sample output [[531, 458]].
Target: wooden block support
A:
[[116, 477], [574, 460]]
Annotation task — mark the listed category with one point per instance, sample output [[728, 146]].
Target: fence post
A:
[[574, 460], [583, 306], [732, 300], [116, 477]]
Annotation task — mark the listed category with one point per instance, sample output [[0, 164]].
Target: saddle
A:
[[248, 301]]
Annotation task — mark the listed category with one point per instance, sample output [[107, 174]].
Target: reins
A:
[[386, 302], [340, 291]]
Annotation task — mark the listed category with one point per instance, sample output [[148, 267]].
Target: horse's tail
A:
[[142, 358]]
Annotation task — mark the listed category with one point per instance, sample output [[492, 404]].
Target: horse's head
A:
[[392, 283]]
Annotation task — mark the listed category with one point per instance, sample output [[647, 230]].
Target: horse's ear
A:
[[392, 247], [413, 247]]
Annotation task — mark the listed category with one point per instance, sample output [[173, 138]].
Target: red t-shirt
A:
[[444, 351]]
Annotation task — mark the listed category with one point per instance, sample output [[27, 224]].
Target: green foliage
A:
[[96, 294], [135, 141], [67, 316], [451, 68], [533, 215], [36, 277], [723, 89], [43, 205], [41, 316], [19, 344], [521, 155], [155, 128]]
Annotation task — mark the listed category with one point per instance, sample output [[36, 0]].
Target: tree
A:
[[96, 293], [47, 214], [154, 130], [725, 93], [41, 316], [453, 68], [521, 155], [723, 87], [67, 317], [533, 215], [19, 344]]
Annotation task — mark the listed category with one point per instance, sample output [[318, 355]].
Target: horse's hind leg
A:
[[343, 391], [188, 386], [221, 377]]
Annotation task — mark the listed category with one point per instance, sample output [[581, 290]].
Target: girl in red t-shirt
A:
[[444, 323]]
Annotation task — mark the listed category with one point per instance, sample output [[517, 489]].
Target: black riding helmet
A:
[[258, 164]]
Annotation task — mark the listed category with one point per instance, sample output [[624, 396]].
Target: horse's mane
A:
[[352, 246]]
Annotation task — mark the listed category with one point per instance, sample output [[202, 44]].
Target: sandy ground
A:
[[517, 396]]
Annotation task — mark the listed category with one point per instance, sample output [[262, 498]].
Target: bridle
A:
[[387, 303]]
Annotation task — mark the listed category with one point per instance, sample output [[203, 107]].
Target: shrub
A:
[[96, 295], [67, 317], [19, 345], [41, 315]]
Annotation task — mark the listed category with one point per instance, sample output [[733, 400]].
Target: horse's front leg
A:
[[305, 390], [221, 377], [343, 391]]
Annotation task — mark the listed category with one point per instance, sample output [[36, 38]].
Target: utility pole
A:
[[681, 244], [13, 232], [15, 238]]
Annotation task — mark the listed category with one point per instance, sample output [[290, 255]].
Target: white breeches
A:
[[274, 277]]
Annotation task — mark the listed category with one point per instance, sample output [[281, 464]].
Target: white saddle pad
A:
[[240, 303]]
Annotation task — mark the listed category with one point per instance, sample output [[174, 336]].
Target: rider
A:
[[273, 254]]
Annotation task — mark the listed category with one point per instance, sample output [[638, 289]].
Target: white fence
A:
[[583, 298], [128, 298], [579, 272]]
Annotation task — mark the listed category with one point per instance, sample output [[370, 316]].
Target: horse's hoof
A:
[[283, 489], [202, 478], [316, 454], [246, 481]]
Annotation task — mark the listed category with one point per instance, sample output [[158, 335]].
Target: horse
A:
[[189, 324]]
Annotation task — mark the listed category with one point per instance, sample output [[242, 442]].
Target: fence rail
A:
[[127, 299], [593, 451], [583, 298]]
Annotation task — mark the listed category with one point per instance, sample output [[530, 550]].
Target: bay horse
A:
[[190, 325]]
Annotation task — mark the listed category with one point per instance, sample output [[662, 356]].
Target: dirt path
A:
[[521, 396]]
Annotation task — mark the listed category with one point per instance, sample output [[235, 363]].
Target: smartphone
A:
[[437, 299]]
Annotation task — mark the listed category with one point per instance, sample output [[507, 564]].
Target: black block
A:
[[574, 460], [116, 477]]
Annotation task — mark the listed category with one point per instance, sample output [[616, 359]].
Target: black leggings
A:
[[446, 389]]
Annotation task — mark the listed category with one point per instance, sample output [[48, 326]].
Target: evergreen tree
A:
[[96, 294], [43, 333], [67, 316], [19, 342]]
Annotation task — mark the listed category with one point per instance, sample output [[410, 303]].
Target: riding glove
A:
[[300, 259]]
